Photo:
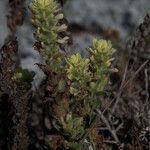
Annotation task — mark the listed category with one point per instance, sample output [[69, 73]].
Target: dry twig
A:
[[112, 131]]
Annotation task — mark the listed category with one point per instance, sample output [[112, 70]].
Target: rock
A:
[[81, 41], [3, 21], [121, 15]]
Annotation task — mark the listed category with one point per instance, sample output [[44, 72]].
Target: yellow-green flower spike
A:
[[78, 72], [102, 51], [101, 58], [78, 68], [46, 19]]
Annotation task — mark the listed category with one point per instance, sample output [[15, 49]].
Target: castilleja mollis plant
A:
[[73, 85]]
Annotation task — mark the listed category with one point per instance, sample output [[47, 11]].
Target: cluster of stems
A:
[[73, 85]]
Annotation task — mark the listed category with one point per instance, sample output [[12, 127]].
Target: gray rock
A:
[[81, 41], [122, 15], [3, 22]]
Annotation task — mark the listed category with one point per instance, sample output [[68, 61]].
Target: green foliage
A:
[[75, 145], [78, 81], [23, 75], [72, 127]]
